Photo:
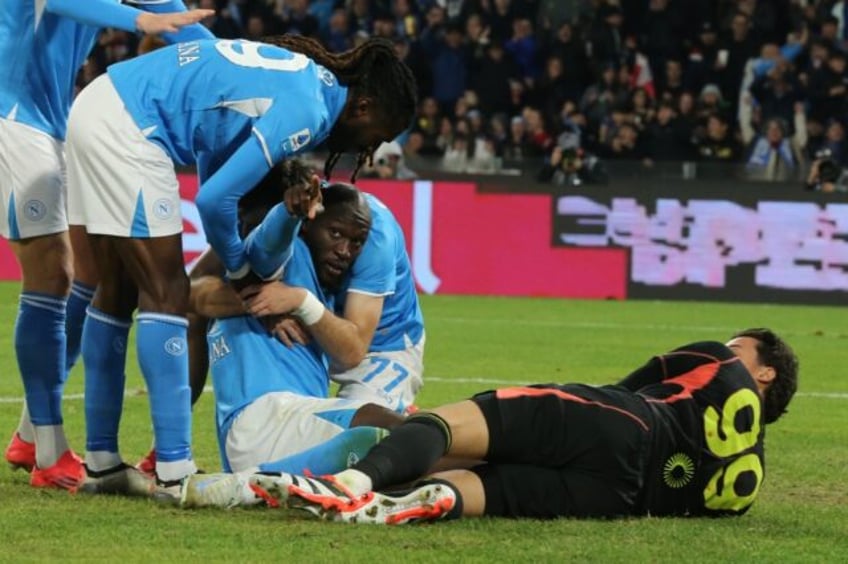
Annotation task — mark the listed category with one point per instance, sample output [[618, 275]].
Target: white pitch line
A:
[[612, 325], [441, 380]]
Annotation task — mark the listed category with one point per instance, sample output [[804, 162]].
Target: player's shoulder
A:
[[709, 350]]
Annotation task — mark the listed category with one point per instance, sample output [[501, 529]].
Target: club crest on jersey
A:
[[35, 210], [175, 346], [299, 140]]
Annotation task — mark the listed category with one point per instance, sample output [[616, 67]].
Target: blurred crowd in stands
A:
[[576, 83]]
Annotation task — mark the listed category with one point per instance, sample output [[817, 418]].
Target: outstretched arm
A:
[[102, 13]]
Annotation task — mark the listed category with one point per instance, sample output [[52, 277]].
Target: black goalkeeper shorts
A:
[[564, 451]]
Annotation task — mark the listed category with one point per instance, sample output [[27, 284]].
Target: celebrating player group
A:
[[305, 281]]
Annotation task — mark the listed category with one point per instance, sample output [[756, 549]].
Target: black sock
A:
[[408, 452]]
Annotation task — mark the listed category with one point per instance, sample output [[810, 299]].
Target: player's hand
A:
[[169, 23], [272, 299], [287, 329], [304, 200]]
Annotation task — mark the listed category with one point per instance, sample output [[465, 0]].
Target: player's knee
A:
[[435, 422], [47, 266], [165, 294], [374, 415]]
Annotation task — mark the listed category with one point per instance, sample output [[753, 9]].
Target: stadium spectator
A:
[[337, 36], [775, 154], [389, 163], [492, 79], [449, 60], [718, 143]]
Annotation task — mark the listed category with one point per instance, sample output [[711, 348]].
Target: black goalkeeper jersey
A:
[[707, 451]]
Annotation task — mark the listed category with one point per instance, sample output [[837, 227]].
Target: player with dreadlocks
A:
[[371, 72], [235, 108]]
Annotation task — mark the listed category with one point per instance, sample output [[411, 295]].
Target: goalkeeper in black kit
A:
[[682, 435]]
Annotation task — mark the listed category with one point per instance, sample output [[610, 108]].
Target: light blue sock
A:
[[75, 317], [331, 456], [104, 352], [163, 356], [40, 348]]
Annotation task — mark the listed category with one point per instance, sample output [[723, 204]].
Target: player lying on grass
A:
[[683, 435]]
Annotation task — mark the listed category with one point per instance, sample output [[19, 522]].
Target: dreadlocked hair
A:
[[269, 192], [371, 70]]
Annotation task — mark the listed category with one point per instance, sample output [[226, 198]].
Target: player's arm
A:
[[217, 203], [269, 246], [191, 32], [103, 13], [345, 339], [676, 363]]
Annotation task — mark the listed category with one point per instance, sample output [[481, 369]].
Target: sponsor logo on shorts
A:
[[175, 346], [163, 208], [678, 470], [35, 210]]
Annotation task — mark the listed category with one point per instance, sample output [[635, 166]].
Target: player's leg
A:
[[104, 350], [33, 218], [82, 291], [389, 378], [157, 268], [287, 432], [124, 186]]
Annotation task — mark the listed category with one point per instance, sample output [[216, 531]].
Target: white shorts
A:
[[32, 182], [391, 379], [119, 182], [280, 424]]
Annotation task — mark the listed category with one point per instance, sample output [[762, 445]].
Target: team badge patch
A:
[[300, 139], [163, 208], [678, 470], [35, 210], [175, 346]]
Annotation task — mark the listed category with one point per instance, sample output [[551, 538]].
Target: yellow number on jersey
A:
[[730, 441], [728, 499]]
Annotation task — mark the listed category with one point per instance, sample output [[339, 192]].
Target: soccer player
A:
[[42, 45], [235, 108], [272, 410], [377, 352], [683, 435]]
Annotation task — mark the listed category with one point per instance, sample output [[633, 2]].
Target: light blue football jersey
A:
[[247, 362], [201, 100], [234, 107], [383, 269], [43, 44]]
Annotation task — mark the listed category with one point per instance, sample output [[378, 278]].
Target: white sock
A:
[[354, 480], [176, 470], [50, 444], [25, 429], [100, 460]]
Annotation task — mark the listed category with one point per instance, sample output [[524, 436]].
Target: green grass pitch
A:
[[475, 344]]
